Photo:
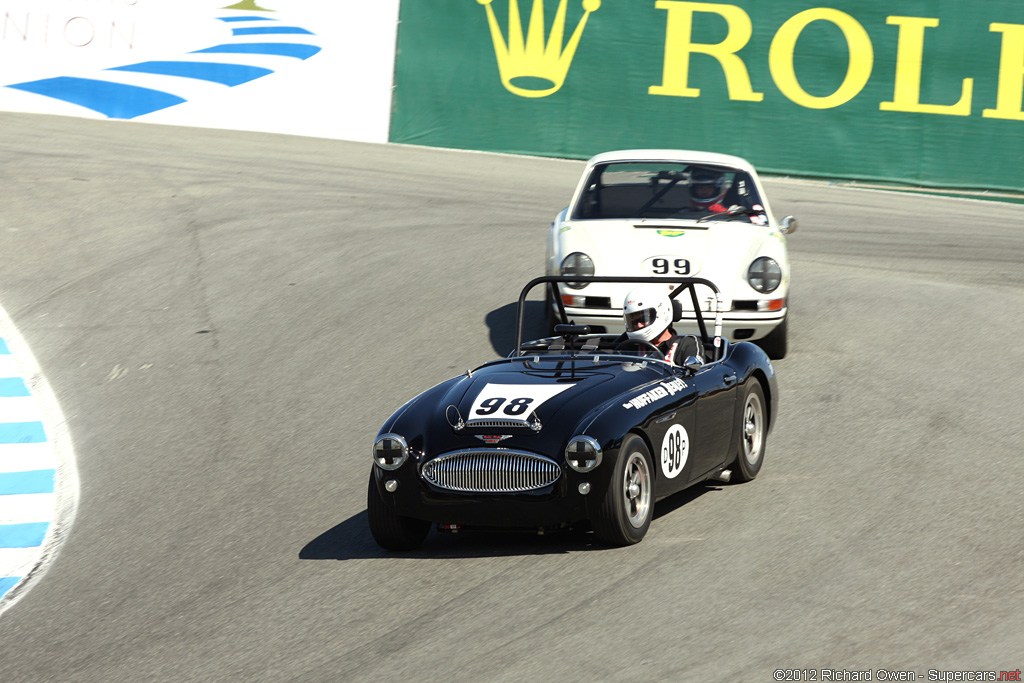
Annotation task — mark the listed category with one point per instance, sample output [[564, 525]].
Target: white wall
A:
[[342, 92]]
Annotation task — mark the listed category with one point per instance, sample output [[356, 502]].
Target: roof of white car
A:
[[687, 155]]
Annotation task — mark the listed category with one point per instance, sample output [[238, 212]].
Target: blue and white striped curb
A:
[[165, 83], [38, 480]]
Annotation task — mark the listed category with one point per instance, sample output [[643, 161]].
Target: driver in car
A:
[[707, 188], [647, 312]]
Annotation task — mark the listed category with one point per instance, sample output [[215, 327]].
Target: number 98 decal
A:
[[674, 449], [512, 401]]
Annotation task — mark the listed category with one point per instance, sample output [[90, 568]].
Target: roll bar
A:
[[683, 283]]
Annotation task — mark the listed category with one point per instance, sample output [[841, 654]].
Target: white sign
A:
[[301, 67], [512, 401], [674, 449]]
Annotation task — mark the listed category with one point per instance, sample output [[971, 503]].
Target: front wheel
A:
[[753, 430], [628, 506], [389, 529]]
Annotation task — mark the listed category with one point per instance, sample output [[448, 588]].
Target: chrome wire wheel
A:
[[636, 489], [753, 428], [751, 433], [627, 504]]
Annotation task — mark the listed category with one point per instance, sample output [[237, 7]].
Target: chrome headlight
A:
[[583, 453], [390, 451], [577, 263], [764, 275]]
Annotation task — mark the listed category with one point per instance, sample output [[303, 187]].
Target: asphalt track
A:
[[227, 318]]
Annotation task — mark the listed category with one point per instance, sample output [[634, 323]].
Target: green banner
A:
[[914, 91]]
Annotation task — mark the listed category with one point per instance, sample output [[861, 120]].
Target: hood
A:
[[532, 405], [517, 398], [718, 251]]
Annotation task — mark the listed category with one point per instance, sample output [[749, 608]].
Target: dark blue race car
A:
[[574, 429]]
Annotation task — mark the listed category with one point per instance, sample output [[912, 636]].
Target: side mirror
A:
[[692, 364], [789, 225]]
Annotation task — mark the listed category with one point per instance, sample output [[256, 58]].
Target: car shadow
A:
[[501, 324], [677, 500], [351, 539]]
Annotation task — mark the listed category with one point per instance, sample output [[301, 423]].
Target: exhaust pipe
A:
[[724, 476]]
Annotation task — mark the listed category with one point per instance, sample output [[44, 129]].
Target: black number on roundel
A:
[[518, 406], [673, 453]]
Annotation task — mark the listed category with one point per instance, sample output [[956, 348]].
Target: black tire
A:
[[625, 513], [753, 432], [777, 341], [390, 530]]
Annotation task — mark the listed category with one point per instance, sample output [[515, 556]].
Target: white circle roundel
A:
[[674, 449]]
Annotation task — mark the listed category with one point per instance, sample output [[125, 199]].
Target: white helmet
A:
[[647, 312], [707, 187]]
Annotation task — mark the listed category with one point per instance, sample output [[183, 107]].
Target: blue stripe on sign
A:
[[22, 535], [34, 481], [7, 583], [299, 50], [230, 20], [266, 30], [115, 100], [13, 386], [22, 432], [3, 347], [227, 74]]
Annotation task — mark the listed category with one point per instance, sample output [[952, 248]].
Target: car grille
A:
[[498, 424], [491, 471]]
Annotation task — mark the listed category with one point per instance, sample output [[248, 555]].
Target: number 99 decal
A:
[[674, 449], [671, 265]]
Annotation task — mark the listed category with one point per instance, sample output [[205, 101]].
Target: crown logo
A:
[[528, 67]]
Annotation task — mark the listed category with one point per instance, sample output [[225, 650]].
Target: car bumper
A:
[[556, 505], [736, 325]]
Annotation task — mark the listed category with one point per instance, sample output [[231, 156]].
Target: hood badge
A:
[[451, 413], [493, 438]]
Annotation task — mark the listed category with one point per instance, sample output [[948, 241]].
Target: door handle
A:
[[729, 379]]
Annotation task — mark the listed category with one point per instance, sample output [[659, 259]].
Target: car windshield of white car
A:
[[665, 190]]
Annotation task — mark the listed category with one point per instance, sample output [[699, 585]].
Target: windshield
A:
[[658, 189]]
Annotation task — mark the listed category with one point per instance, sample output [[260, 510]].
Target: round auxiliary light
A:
[[390, 451], [583, 453], [764, 275], [577, 263]]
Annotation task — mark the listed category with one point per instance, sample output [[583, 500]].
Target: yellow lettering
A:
[[678, 48], [1011, 74], [780, 58], [909, 59]]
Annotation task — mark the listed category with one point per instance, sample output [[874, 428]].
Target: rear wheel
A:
[[775, 344], [628, 506], [389, 529], [753, 429]]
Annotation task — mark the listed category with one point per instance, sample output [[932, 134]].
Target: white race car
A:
[[668, 212]]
